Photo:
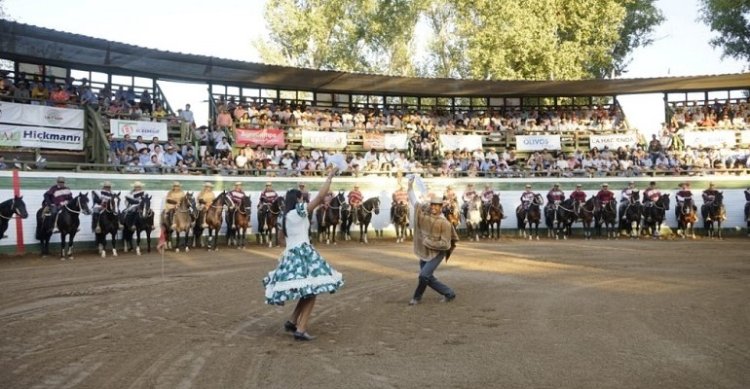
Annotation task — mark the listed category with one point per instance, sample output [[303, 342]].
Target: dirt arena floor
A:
[[567, 314]]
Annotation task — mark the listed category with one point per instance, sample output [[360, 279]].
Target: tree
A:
[[478, 39], [731, 19]]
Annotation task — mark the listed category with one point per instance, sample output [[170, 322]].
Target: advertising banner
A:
[[460, 142], [40, 115], [323, 140], [256, 137], [710, 138], [119, 128], [40, 137], [745, 137], [385, 141], [613, 141], [537, 142]]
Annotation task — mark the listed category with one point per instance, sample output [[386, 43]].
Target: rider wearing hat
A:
[[105, 195], [268, 196], [305, 193], [555, 196], [579, 197], [469, 195], [355, 198], [709, 195], [57, 195], [683, 194], [651, 194], [626, 198], [449, 197], [527, 197], [605, 196], [237, 194], [399, 197], [172, 199], [133, 199], [205, 197]]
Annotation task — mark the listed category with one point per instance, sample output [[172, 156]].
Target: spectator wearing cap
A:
[[268, 196], [237, 194], [170, 159], [39, 94]]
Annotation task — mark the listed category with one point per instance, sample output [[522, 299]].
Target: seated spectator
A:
[[153, 166], [223, 149], [22, 94], [170, 158], [189, 158], [40, 94], [159, 113]]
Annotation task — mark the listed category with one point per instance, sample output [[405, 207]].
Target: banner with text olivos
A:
[[324, 140], [136, 128], [613, 141], [268, 137], [537, 142]]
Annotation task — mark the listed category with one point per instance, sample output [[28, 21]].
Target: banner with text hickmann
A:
[[40, 115], [135, 128], [40, 137], [256, 137], [538, 142]]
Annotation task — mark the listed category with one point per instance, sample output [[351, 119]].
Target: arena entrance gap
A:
[[179, 93]]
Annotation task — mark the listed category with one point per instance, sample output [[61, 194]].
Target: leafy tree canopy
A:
[[731, 19]]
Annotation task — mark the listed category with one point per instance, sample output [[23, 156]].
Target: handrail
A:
[[159, 94], [97, 146]]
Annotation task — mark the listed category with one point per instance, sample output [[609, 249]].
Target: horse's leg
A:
[[718, 227], [71, 236], [333, 233], [62, 246], [187, 239], [114, 243]]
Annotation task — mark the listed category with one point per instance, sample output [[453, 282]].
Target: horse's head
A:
[[719, 198], [114, 202], [339, 198], [82, 202], [664, 200], [188, 202], [635, 196], [538, 199], [19, 207], [145, 205], [495, 199], [375, 205], [245, 203]]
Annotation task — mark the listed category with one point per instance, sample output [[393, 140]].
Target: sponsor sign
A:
[[613, 141], [537, 142], [718, 138], [40, 137], [40, 115], [135, 128], [745, 137], [460, 142], [385, 141], [323, 140], [256, 137]]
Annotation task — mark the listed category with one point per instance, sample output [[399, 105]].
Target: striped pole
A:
[[20, 248]]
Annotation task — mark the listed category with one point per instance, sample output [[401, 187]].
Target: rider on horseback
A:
[[305, 193], [56, 197], [173, 198], [487, 199], [651, 194], [268, 196], [683, 194], [133, 199], [555, 196], [605, 196], [449, 197], [626, 198], [468, 197], [579, 197], [237, 194], [399, 197], [355, 200], [105, 195], [205, 198], [709, 195]]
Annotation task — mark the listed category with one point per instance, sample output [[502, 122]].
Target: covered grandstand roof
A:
[[22, 42]]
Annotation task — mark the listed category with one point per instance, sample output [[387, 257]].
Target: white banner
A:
[[537, 142], [710, 138], [460, 142], [40, 137], [395, 141], [40, 115], [613, 141], [135, 128], [745, 137], [324, 140]]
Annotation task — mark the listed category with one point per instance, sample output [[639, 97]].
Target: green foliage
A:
[[731, 19], [478, 39]]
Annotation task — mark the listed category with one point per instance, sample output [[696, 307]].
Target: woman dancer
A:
[[301, 273]]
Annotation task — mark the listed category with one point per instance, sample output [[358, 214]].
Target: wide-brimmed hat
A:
[[435, 199], [208, 184], [269, 183], [605, 184], [176, 183], [528, 185], [137, 184], [556, 185], [106, 184], [238, 183], [61, 179], [578, 185]]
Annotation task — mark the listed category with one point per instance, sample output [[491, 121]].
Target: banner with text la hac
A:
[[613, 141], [538, 142], [268, 137]]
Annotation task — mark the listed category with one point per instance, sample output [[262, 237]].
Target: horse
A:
[[346, 221], [747, 216], [400, 220], [606, 215], [328, 218], [473, 218], [268, 220], [654, 214], [109, 223], [364, 215], [182, 219], [493, 216], [450, 211], [66, 221], [8, 208], [565, 215], [714, 212], [686, 218], [239, 222], [211, 215], [586, 214], [631, 216], [135, 221], [530, 216]]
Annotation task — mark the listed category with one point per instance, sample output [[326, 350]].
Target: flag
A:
[[162, 240]]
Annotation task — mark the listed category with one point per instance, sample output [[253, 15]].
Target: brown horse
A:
[[400, 220], [182, 219], [493, 216], [452, 213], [238, 221], [586, 215], [211, 214], [530, 217], [268, 217], [364, 216], [686, 218]]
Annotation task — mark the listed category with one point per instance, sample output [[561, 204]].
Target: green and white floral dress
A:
[[301, 272]]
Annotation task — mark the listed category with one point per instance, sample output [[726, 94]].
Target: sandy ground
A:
[[567, 314]]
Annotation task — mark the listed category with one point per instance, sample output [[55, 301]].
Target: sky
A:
[[228, 28]]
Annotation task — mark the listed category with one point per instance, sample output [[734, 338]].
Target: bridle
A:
[[13, 210], [80, 209]]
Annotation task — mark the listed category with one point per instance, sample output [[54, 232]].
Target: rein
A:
[[78, 201]]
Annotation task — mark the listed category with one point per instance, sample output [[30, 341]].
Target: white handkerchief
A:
[[339, 161], [419, 185]]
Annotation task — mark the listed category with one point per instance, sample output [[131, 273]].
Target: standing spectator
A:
[[654, 149], [145, 103], [187, 116]]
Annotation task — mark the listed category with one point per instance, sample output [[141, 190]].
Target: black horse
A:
[[328, 218], [747, 217], [714, 212], [8, 208], [346, 221], [137, 220], [68, 220], [268, 221], [529, 217], [631, 215], [654, 214], [109, 223], [606, 215], [364, 216], [565, 215]]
